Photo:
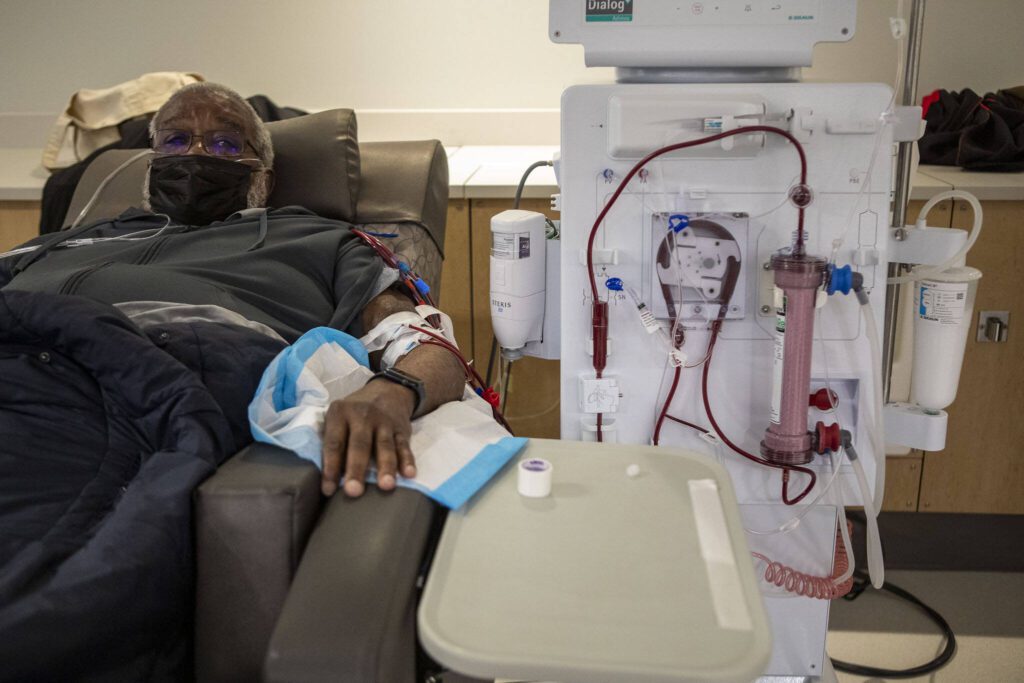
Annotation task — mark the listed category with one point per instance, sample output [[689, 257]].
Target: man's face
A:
[[201, 126], [208, 129]]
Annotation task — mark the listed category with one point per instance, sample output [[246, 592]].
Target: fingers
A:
[[360, 446], [335, 440], [387, 459], [406, 461]]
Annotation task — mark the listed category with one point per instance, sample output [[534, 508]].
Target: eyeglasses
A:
[[218, 143]]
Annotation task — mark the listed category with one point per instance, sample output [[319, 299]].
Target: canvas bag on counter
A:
[[92, 116]]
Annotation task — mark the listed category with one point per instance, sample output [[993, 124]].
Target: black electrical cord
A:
[[861, 582], [490, 360]]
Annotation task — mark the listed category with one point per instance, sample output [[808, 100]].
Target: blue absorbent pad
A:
[[458, 447]]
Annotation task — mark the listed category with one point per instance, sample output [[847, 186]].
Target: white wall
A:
[[976, 44], [419, 54]]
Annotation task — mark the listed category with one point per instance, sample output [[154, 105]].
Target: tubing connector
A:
[[846, 440]]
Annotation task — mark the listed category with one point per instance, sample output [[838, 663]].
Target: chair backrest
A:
[[401, 187]]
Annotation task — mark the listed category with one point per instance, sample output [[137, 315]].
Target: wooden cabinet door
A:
[[981, 469]]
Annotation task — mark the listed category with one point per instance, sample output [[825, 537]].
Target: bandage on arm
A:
[[388, 317], [397, 334]]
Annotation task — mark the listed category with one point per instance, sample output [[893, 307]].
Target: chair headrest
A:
[[316, 165]]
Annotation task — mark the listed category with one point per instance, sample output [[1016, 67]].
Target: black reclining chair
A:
[[291, 587]]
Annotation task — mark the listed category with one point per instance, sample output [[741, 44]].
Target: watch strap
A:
[[406, 380]]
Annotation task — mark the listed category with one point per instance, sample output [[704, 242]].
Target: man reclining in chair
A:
[[211, 242], [129, 352]]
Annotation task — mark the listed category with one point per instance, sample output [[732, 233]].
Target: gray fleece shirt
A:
[[287, 268]]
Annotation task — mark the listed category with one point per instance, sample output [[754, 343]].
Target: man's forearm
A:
[[440, 371]]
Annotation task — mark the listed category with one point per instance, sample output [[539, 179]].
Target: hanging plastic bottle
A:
[[943, 310]]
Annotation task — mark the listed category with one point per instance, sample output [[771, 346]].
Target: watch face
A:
[[395, 372], [403, 377]]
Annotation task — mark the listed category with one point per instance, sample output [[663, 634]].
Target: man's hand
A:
[[373, 422]]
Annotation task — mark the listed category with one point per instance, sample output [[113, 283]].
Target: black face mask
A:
[[196, 189]]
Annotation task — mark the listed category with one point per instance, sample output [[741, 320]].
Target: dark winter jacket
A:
[[105, 430]]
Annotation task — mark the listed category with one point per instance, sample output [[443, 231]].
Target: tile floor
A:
[[985, 610]]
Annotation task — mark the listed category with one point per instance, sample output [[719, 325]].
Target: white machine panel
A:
[[734, 204], [700, 33], [747, 198]]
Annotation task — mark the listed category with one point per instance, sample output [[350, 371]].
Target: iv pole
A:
[[901, 194]]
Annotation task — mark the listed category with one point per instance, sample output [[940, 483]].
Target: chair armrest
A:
[[253, 518], [350, 614]]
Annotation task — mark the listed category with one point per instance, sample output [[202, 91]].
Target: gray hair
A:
[[225, 99]]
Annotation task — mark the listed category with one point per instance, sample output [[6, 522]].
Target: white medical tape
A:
[[534, 478], [402, 344], [716, 549], [446, 327], [390, 328], [395, 335]]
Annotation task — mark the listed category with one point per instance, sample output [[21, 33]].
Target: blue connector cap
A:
[[404, 267], [421, 286], [839, 280], [678, 221], [614, 284]]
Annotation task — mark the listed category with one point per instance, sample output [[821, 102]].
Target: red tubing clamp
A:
[[491, 396], [828, 438], [820, 400]]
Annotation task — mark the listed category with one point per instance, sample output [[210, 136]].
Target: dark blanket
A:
[[105, 430]]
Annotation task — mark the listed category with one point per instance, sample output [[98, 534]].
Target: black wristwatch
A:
[[406, 380]]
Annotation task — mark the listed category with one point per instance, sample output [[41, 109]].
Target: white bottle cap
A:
[[534, 478]]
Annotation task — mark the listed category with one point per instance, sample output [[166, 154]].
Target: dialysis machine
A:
[[725, 246]]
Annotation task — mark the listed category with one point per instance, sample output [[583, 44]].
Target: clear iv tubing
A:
[[691, 285], [838, 243], [102, 186], [139, 235], [876, 565], [89, 204], [651, 323], [920, 273], [878, 428], [884, 118]]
